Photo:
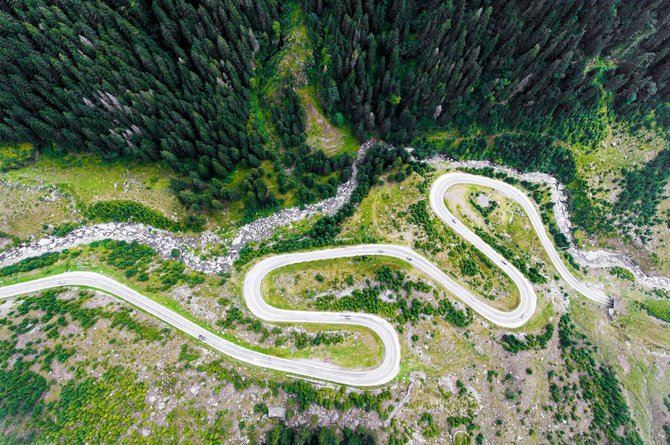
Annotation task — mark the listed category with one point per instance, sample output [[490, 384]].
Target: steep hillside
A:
[[539, 86], [174, 82], [400, 66]]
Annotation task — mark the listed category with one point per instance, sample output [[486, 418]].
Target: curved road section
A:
[[390, 364], [444, 182]]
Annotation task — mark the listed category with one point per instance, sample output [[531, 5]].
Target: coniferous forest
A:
[[400, 66], [200, 116], [174, 80], [153, 80]]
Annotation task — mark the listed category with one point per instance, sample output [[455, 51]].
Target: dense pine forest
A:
[[150, 80], [178, 81], [519, 82], [401, 65], [156, 80], [199, 116]]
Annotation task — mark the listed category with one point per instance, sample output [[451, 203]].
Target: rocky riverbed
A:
[[164, 241], [190, 246], [588, 258]]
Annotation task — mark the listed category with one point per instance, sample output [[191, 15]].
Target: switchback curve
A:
[[390, 364]]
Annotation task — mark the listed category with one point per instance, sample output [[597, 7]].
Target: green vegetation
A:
[[21, 390], [597, 384], [659, 309], [144, 83], [429, 429], [422, 216], [414, 69], [637, 181], [401, 310], [307, 394], [46, 259], [485, 211], [138, 260], [46, 190], [332, 136], [63, 229], [254, 121], [301, 340], [622, 273], [167, 97], [530, 271], [130, 211], [642, 192], [284, 435], [285, 114], [586, 211], [513, 343], [488, 86], [666, 427], [85, 412], [15, 155]]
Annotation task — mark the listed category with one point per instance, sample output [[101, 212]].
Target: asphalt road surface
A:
[[444, 182], [390, 364]]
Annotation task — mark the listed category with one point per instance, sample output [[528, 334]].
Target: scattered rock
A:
[[597, 259], [277, 412], [483, 200], [163, 241]]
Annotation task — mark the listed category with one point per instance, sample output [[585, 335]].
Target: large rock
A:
[[277, 412]]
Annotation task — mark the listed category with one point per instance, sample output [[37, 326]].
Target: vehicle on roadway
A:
[[409, 259], [380, 251], [61, 282], [202, 337]]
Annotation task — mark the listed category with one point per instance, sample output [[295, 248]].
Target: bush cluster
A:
[[513, 343], [131, 211]]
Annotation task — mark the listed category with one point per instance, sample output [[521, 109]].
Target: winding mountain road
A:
[[444, 182], [390, 364]]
